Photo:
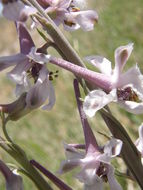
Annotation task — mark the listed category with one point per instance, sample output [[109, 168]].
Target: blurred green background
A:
[[41, 134]]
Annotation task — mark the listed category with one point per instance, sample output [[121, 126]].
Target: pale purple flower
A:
[[95, 167], [26, 70], [13, 179], [17, 10], [67, 13], [126, 88]]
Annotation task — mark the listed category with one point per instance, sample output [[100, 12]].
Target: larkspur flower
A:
[[95, 165], [26, 70], [13, 179], [126, 88], [67, 13], [16, 10]]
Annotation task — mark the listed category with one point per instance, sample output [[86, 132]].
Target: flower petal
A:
[[8, 61], [96, 100], [39, 93], [73, 153], [133, 78], [87, 19], [69, 165], [18, 74], [132, 107], [103, 64], [17, 11], [114, 185], [51, 97], [111, 149], [98, 185], [38, 57], [89, 178], [121, 56]]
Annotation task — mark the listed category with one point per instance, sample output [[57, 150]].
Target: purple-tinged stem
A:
[[90, 140], [99, 79], [59, 183]]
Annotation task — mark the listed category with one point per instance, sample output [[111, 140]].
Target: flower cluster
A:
[[30, 77], [34, 89], [68, 13], [94, 162]]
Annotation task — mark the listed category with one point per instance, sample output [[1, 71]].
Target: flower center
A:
[[127, 94], [102, 172], [34, 71]]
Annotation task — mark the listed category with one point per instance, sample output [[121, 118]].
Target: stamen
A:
[[53, 74], [102, 172], [75, 9], [69, 23]]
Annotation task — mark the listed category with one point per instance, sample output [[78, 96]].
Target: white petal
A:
[[96, 100], [70, 24], [121, 56], [51, 97], [37, 95], [38, 57], [113, 147], [40, 92], [98, 185], [89, 178], [17, 11], [132, 107], [72, 153], [114, 185], [8, 61], [12, 10], [134, 78], [19, 72], [87, 19], [103, 64]]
